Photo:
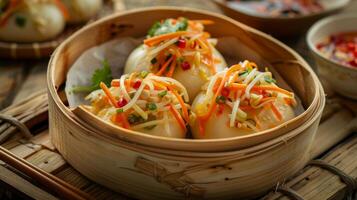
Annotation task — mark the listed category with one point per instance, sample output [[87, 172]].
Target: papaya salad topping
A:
[[245, 91], [141, 100], [10, 7], [279, 8], [183, 43], [341, 47]]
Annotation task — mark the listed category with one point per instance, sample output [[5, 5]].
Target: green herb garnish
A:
[[143, 74], [120, 110], [154, 28], [131, 94], [159, 28], [243, 73], [134, 119], [220, 99], [103, 74], [180, 59], [162, 94], [269, 79], [151, 106]]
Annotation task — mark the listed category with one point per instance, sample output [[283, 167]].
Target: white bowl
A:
[[282, 26], [341, 78]]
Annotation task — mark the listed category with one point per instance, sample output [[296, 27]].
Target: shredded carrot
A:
[[246, 108], [178, 117], [202, 44], [121, 119], [165, 65], [116, 82], [217, 84], [157, 39], [238, 86], [164, 84], [210, 60], [273, 88], [267, 99], [289, 101], [182, 103], [213, 103], [159, 86], [276, 112], [108, 93], [124, 120], [253, 65], [172, 69]]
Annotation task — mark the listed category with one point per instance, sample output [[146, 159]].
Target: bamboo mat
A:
[[20, 79]]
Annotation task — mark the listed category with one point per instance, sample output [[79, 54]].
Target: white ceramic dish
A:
[[343, 79], [281, 26]]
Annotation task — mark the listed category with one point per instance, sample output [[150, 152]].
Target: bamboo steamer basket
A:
[[271, 52], [147, 172]]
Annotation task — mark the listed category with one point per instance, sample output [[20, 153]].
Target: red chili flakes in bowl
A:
[[341, 48]]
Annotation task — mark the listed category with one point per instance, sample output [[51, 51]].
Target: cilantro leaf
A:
[[154, 28], [103, 74], [269, 79], [183, 25], [159, 28]]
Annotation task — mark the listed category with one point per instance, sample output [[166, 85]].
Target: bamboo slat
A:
[[9, 79], [56, 185], [43, 139], [47, 160], [316, 183], [25, 150], [28, 188], [12, 141], [70, 175], [335, 128], [34, 82], [73, 177]]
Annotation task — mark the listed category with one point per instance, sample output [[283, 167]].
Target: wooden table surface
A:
[[21, 78]]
